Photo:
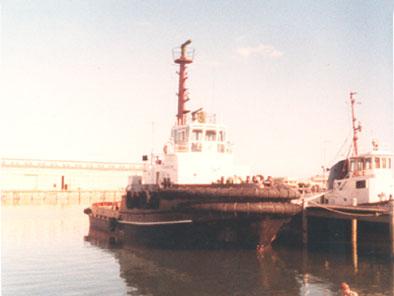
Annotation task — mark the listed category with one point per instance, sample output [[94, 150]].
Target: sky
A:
[[95, 80]]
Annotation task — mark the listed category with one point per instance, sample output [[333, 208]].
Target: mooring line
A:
[[345, 213]]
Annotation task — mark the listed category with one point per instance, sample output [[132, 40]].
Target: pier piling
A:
[[304, 223], [354, 240], [391, 226]]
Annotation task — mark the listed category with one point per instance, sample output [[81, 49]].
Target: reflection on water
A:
[[44, 253], [205, 273]]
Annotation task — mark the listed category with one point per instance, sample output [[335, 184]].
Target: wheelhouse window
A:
[[383, 162], [360, 164], [197, 135], [368, 163], [377, 163], [352, 165], [222, 135], [181, 136], [221, 148], [210, 135], [389, 163]]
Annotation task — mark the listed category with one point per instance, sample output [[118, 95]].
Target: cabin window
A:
[[361, 184], [222, 136], [210, 135], [389, 163], [181, 136], [196, 147], [368, 163], [221, 148], [377, 163], [383, 162], [352, 165], [360, 164], [177, 135], [197, 135]]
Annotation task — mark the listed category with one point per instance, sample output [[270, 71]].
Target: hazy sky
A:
[[95, 80]]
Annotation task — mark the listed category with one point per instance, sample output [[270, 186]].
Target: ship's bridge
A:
[[200, 134], [198, 152], [365, 178], [376, 161], [372, 164]]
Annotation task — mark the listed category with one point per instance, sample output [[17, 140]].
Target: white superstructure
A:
[[368, 178], [198, 151]]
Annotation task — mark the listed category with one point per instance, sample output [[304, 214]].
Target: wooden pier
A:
[[380, 216]]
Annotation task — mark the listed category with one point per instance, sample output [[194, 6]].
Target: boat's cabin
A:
[[363, 164], [373, 163], [202, 134], [198, 152]]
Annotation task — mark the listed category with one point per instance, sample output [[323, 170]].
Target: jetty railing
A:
[[72, 197]]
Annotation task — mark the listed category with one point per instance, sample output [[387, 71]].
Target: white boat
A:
[[365, 178]]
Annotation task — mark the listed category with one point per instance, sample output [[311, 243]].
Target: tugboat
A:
[[362, 178], [192, 195]]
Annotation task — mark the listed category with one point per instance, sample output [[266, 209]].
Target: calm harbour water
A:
[[44, 252]]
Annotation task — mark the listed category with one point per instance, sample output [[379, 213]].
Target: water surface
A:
[[44, 252]]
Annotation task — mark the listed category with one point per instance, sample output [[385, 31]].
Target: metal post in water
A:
[[354, 240], [304, 223], [391, 226]]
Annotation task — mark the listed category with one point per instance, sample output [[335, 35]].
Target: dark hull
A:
[[205, 216], [236, 232]]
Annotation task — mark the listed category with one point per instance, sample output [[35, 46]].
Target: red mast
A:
[[183, 60], [355, 128]]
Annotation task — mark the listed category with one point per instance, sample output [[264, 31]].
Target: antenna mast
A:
[[355, 128], [183, 60]]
